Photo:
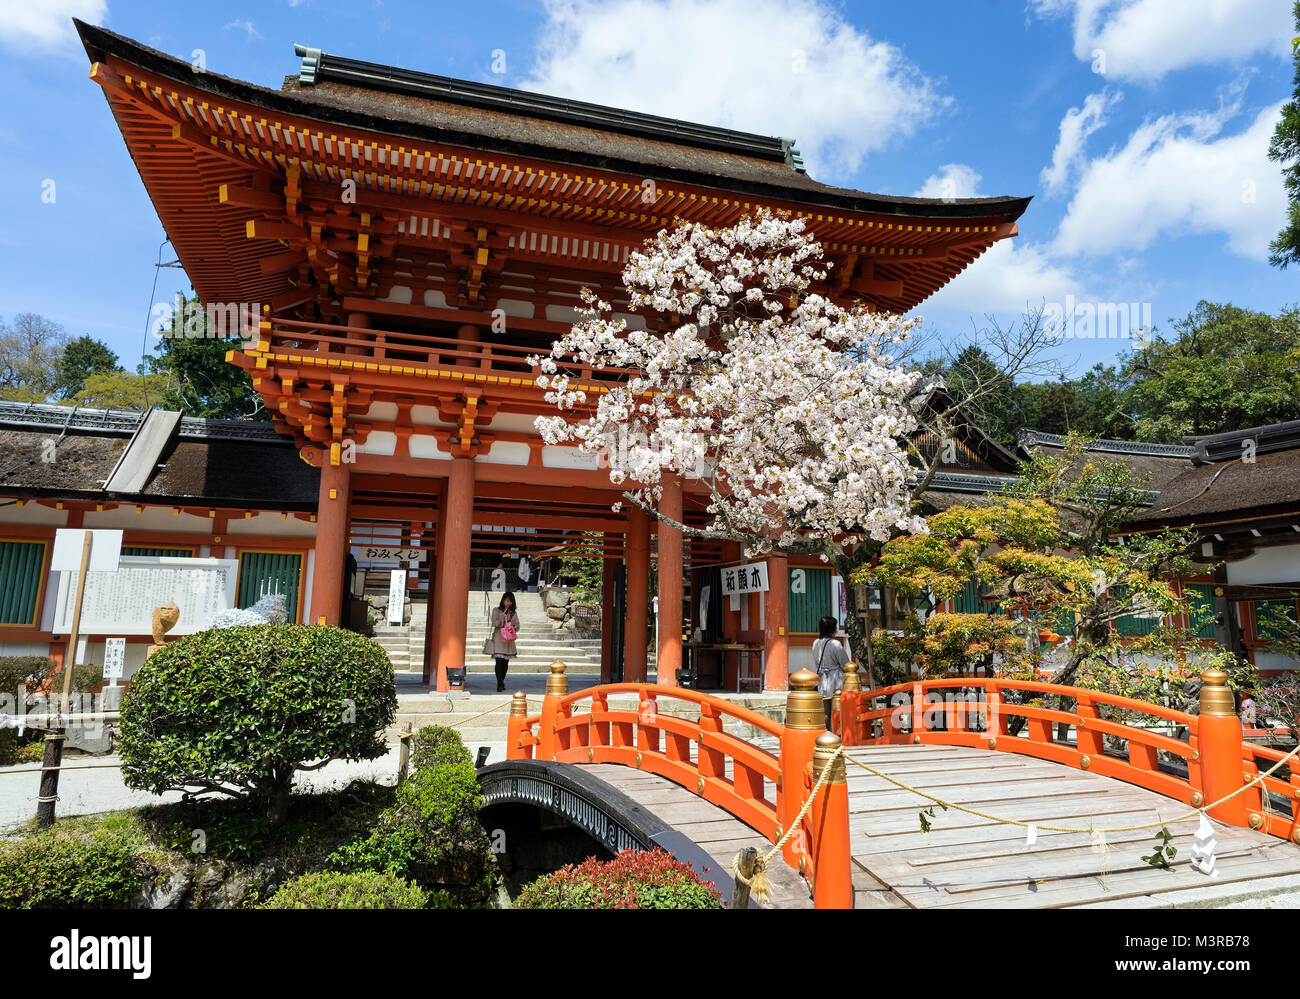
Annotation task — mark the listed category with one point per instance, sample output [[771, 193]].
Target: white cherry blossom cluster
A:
[[789, 407]]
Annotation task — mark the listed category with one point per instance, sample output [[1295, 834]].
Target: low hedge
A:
[[634, 879], [431, 833], [357, 890], [68, 870]]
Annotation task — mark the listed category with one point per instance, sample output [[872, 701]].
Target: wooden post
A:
[[453, 569], [54, 739], [804, 721], [404, 754], [832, 861], [1218, 739], [328, 569], [746, 864], [515, 729], [776, 613]]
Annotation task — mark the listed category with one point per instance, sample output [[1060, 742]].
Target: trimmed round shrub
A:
[[650, 879], [359, 890], [58, 870], [31, 672], [432, 833], [238, 711]]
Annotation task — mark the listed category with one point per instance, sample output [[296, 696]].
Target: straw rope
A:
[[759, 883], [1074, 829]]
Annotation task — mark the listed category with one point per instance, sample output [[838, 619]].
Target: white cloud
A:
[[240, 24], [1145, 39], [47, 23], [954, 180], [1179, 175], [1009, 277], [794, 68], [1076, 126]]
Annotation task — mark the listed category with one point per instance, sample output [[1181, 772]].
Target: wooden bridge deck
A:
[[970, 862]]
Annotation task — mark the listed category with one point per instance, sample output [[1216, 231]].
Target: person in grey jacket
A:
[[829, 660]]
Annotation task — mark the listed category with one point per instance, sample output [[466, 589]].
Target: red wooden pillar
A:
[[730, 622], [331, 543], [432, 607], [607, 615], [453, 568], [669, 652], [637, 559], [776, 620]]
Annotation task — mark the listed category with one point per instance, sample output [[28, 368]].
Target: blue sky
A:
[[1140, 126]]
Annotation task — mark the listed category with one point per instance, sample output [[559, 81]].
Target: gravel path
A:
[[84, 792]]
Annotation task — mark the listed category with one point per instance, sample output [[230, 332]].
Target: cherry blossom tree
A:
[[790, 409]]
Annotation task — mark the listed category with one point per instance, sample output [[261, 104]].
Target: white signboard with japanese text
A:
[[123, 601], [114, 658], [396, 595], [750, 577], [401, 554]]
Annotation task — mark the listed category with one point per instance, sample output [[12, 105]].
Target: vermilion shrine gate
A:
[[410, 240]]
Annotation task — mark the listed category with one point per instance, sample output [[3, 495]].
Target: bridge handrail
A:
[[1217, 755], [766, 791], [654, 691], [1084, 694]]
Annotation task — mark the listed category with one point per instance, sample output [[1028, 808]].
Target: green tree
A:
[[200, 381], [81, 358], [30, 346], [1228, 368], [1044, 556], [122, 390], [997, 406], [1285, 149]]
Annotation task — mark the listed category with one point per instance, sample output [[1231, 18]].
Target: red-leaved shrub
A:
[[633, 880]]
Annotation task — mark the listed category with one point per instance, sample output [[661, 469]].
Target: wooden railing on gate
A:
[[765, 791]]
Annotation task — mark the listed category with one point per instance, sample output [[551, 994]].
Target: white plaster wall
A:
[[32, 514], [1269, 565], [268, 524], [379, 442], [381, 411], [429, 416], [554, 456], [515, 307], [426, 446], [151, 518], [506, 453]]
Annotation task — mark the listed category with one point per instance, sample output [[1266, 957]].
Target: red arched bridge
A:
[[955, 792]]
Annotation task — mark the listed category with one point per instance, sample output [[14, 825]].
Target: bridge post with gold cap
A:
[[805, 719], [832, 862], [1218, 744], [850, 727], [515, 729], [557, 688]]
